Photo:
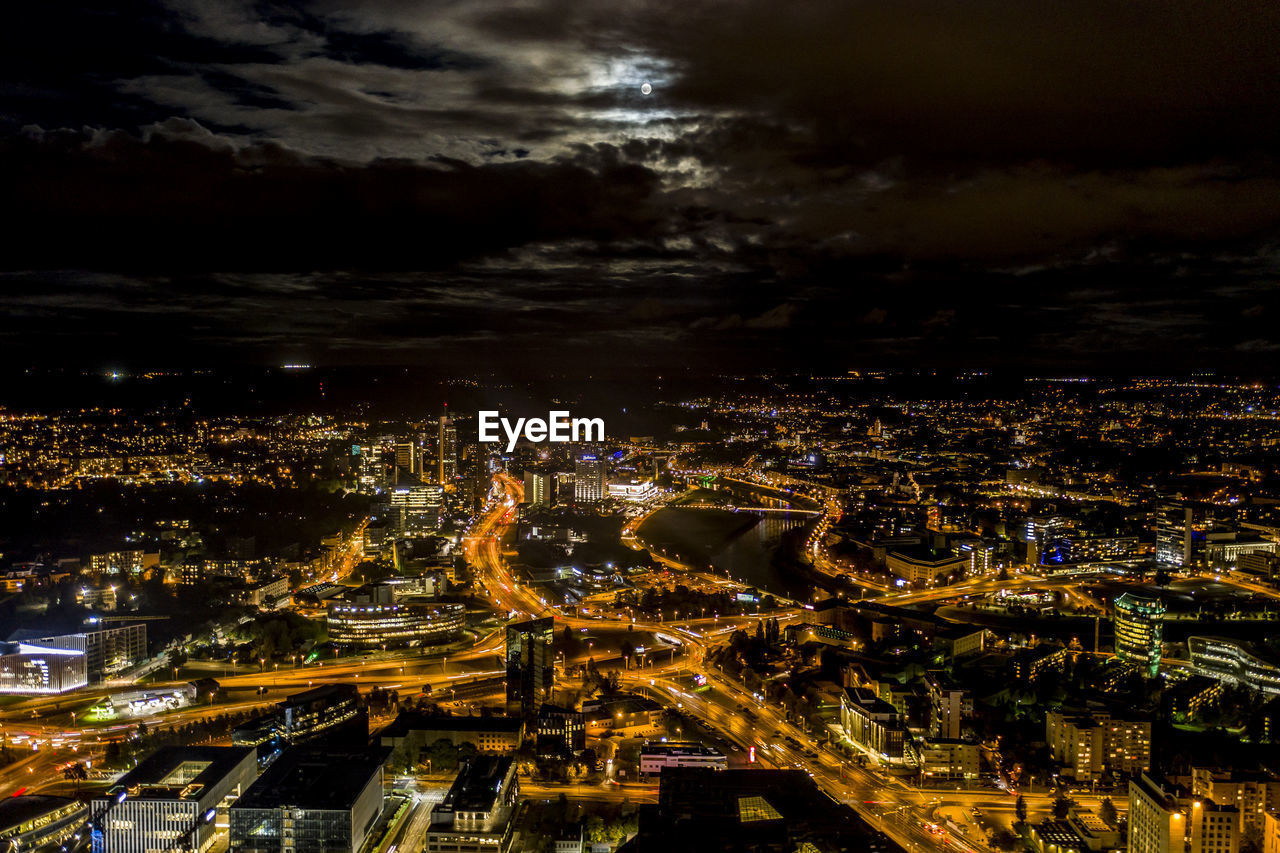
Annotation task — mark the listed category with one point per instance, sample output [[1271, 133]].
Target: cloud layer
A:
[[984, 182]]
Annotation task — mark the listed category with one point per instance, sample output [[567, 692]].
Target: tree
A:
[[1020, 809], [1107, 811], [75, 773], [1061, 805]]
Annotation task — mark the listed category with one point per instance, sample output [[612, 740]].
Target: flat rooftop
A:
[[16, 810], [407, 721], [306, 779], [181, 772], [476, 788]]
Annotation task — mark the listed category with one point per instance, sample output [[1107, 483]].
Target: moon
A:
[[645, 88]]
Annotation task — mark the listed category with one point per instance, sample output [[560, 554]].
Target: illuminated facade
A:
[[1234, 661], [530, 671], [27, 669], [588, 479], [168, 802], [373, 626], [1139, 625], [30, 822]]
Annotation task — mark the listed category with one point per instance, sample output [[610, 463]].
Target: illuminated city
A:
[[616, 428]]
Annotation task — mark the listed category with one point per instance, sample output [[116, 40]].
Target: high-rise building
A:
[[310, 801], [407, 456], [950, 704], [1139, 624], [1181, 529], [539, 487], [446, 451], [588, 479], [1163, 819], [530, 666]]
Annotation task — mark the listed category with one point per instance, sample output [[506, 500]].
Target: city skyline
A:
[[527, 426]]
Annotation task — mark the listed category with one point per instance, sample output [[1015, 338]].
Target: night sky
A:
[[822, 185]]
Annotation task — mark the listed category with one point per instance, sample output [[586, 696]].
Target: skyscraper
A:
[[588, 479], [446, 450], [539, 486], [530, 666], [1139, 624], [406, 457]]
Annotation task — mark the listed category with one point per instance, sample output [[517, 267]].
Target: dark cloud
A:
[[183, 198], [871, 182]]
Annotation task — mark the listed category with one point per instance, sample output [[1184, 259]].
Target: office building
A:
[[1081, 831], [560, 732], [446, 451], [108, 651], [530, 666], [330, 711], [1181, 530], [407, 459], [873, 724], [1224, 548], [309, 801], [1164, 819], [33, 821], [946, 758], [1030, 665], [633, 715], [1139, 627], [923, 566], [657, 757], [1236, 662], [168, 802], [760, 810], [539, 487], [413, 731], [353, 625], [588, 479], [475, 815], [29, 669], [1076, 550]]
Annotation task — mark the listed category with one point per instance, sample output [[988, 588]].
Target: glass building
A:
[[310, 801], [372, 626], [1139, 625], [530, 666]]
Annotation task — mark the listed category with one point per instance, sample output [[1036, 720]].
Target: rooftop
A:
[[407, 721], [15, 810], [181, 772], [307, 779], [477, 785]]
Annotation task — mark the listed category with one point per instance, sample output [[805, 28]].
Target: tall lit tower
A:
[[530, 666], [446, 451], [588, 479], [1139, 626]]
